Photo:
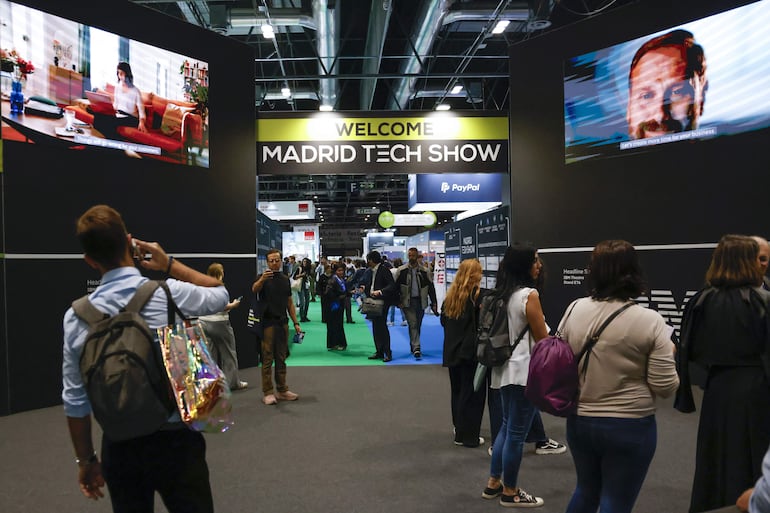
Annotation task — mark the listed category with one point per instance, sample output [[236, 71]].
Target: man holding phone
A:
[[273, 292]]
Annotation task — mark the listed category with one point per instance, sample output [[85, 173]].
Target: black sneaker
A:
[[418, 355], [491, 493], [550, 446], [521, 500]]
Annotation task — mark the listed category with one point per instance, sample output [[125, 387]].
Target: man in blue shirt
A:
[[171, 461]]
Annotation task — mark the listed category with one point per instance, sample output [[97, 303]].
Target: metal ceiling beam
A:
[[379, 20], [359, 76], [328, 46]]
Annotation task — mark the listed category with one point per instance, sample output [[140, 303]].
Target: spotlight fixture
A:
[[456, 89], [267, 31], [501, 26], [285, 91], [443, 106], [326, 108]]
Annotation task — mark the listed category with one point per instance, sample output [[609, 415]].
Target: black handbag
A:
[[373, 307]]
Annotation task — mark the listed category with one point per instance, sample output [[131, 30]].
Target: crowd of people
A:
[[612, 437]]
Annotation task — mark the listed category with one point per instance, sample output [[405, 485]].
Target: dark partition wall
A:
[[199, 214], [673, 201]]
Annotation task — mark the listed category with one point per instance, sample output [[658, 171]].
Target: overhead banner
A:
[[349, 143], [455, 191]]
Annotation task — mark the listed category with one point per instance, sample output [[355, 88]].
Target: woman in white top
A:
[[128, 105], [613, 436], [515, 281]]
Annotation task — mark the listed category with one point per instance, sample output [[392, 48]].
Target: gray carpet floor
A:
[[360, 439]]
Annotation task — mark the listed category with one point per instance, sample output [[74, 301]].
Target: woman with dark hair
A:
[[336, 292], [725, 333], [515, 284], [459, 315], [613, 436], [127, 103]]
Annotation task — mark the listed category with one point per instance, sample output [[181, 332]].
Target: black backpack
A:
[[494, 347], [122, 368]]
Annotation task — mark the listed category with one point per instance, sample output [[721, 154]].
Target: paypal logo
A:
[[475, 187]]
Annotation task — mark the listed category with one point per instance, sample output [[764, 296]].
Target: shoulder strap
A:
[[84, 309], [591, 342], [171, 305], [518, 339], [141, 296]]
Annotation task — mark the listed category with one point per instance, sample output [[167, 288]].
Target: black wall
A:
[[199, 214], [687, 193]]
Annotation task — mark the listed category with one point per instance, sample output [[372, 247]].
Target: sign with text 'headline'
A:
[[334, 143]]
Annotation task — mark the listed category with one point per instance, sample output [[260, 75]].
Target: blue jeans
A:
[[536, 431], [509, 444], [611, 458]]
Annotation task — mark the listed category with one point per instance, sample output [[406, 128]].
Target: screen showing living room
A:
[[77, 87]]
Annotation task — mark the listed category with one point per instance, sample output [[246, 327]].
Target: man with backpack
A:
[[138, 457]]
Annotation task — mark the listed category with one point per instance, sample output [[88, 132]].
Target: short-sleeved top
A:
[[631, 363], [274, 296]]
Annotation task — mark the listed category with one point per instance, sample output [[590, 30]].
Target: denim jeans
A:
[[611, 458], [509, 444], [536, 431]]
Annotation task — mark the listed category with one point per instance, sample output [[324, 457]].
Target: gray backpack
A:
[[122, 368]]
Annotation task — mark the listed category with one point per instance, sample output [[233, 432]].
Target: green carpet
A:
[[312, 351]]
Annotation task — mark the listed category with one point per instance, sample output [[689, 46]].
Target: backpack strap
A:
[[591, 342], [518, 339], [84, 309], [141, 296]]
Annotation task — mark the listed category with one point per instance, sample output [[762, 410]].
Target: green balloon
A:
[[386, 219], [432, 216]]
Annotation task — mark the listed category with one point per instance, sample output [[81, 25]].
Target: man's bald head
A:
[[764, 252]]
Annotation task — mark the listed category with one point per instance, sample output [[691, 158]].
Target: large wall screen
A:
[[700, 80], [86, 88]]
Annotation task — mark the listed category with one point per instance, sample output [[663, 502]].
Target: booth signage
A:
[[334, 144], [455, 188]]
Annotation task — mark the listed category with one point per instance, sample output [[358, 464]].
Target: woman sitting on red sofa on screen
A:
[[127, 102]]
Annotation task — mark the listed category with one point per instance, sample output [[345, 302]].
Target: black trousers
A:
[[467, 405], [173, 463], [381, 335]]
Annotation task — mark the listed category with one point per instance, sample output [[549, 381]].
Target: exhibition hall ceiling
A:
[[376, 55]]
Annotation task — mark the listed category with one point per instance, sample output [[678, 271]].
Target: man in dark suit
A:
[[381, 286]]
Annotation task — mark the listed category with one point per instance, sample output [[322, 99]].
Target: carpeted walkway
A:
[[312, 352]]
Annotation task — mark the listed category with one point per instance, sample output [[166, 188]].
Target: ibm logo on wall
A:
[[663, 301]]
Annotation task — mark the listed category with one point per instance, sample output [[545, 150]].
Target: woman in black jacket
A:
[[458, 317], [725, 334], [336, 292]]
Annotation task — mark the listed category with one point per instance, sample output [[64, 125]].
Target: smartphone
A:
[[239, 298], [136, 251]]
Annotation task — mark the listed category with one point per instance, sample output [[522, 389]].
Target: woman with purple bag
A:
[[613, 436]]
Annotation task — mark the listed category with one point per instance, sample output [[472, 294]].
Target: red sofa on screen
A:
[[180, 146]]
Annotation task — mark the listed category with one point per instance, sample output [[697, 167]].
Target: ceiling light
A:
[[267, 31], [443, 106], [456, 89], [501, 26], [285, 91], [326, 108]]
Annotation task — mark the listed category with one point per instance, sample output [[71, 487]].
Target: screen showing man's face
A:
[[660, 99]]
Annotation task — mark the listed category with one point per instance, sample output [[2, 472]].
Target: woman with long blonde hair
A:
[[459, 317]]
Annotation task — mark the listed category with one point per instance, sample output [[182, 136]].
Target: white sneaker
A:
[[390, 324]]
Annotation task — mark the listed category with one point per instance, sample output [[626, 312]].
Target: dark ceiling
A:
[[370, 55]]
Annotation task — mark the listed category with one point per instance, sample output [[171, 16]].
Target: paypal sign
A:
[[455, 188]]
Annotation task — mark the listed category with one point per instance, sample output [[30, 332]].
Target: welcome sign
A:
[[339, 143]]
